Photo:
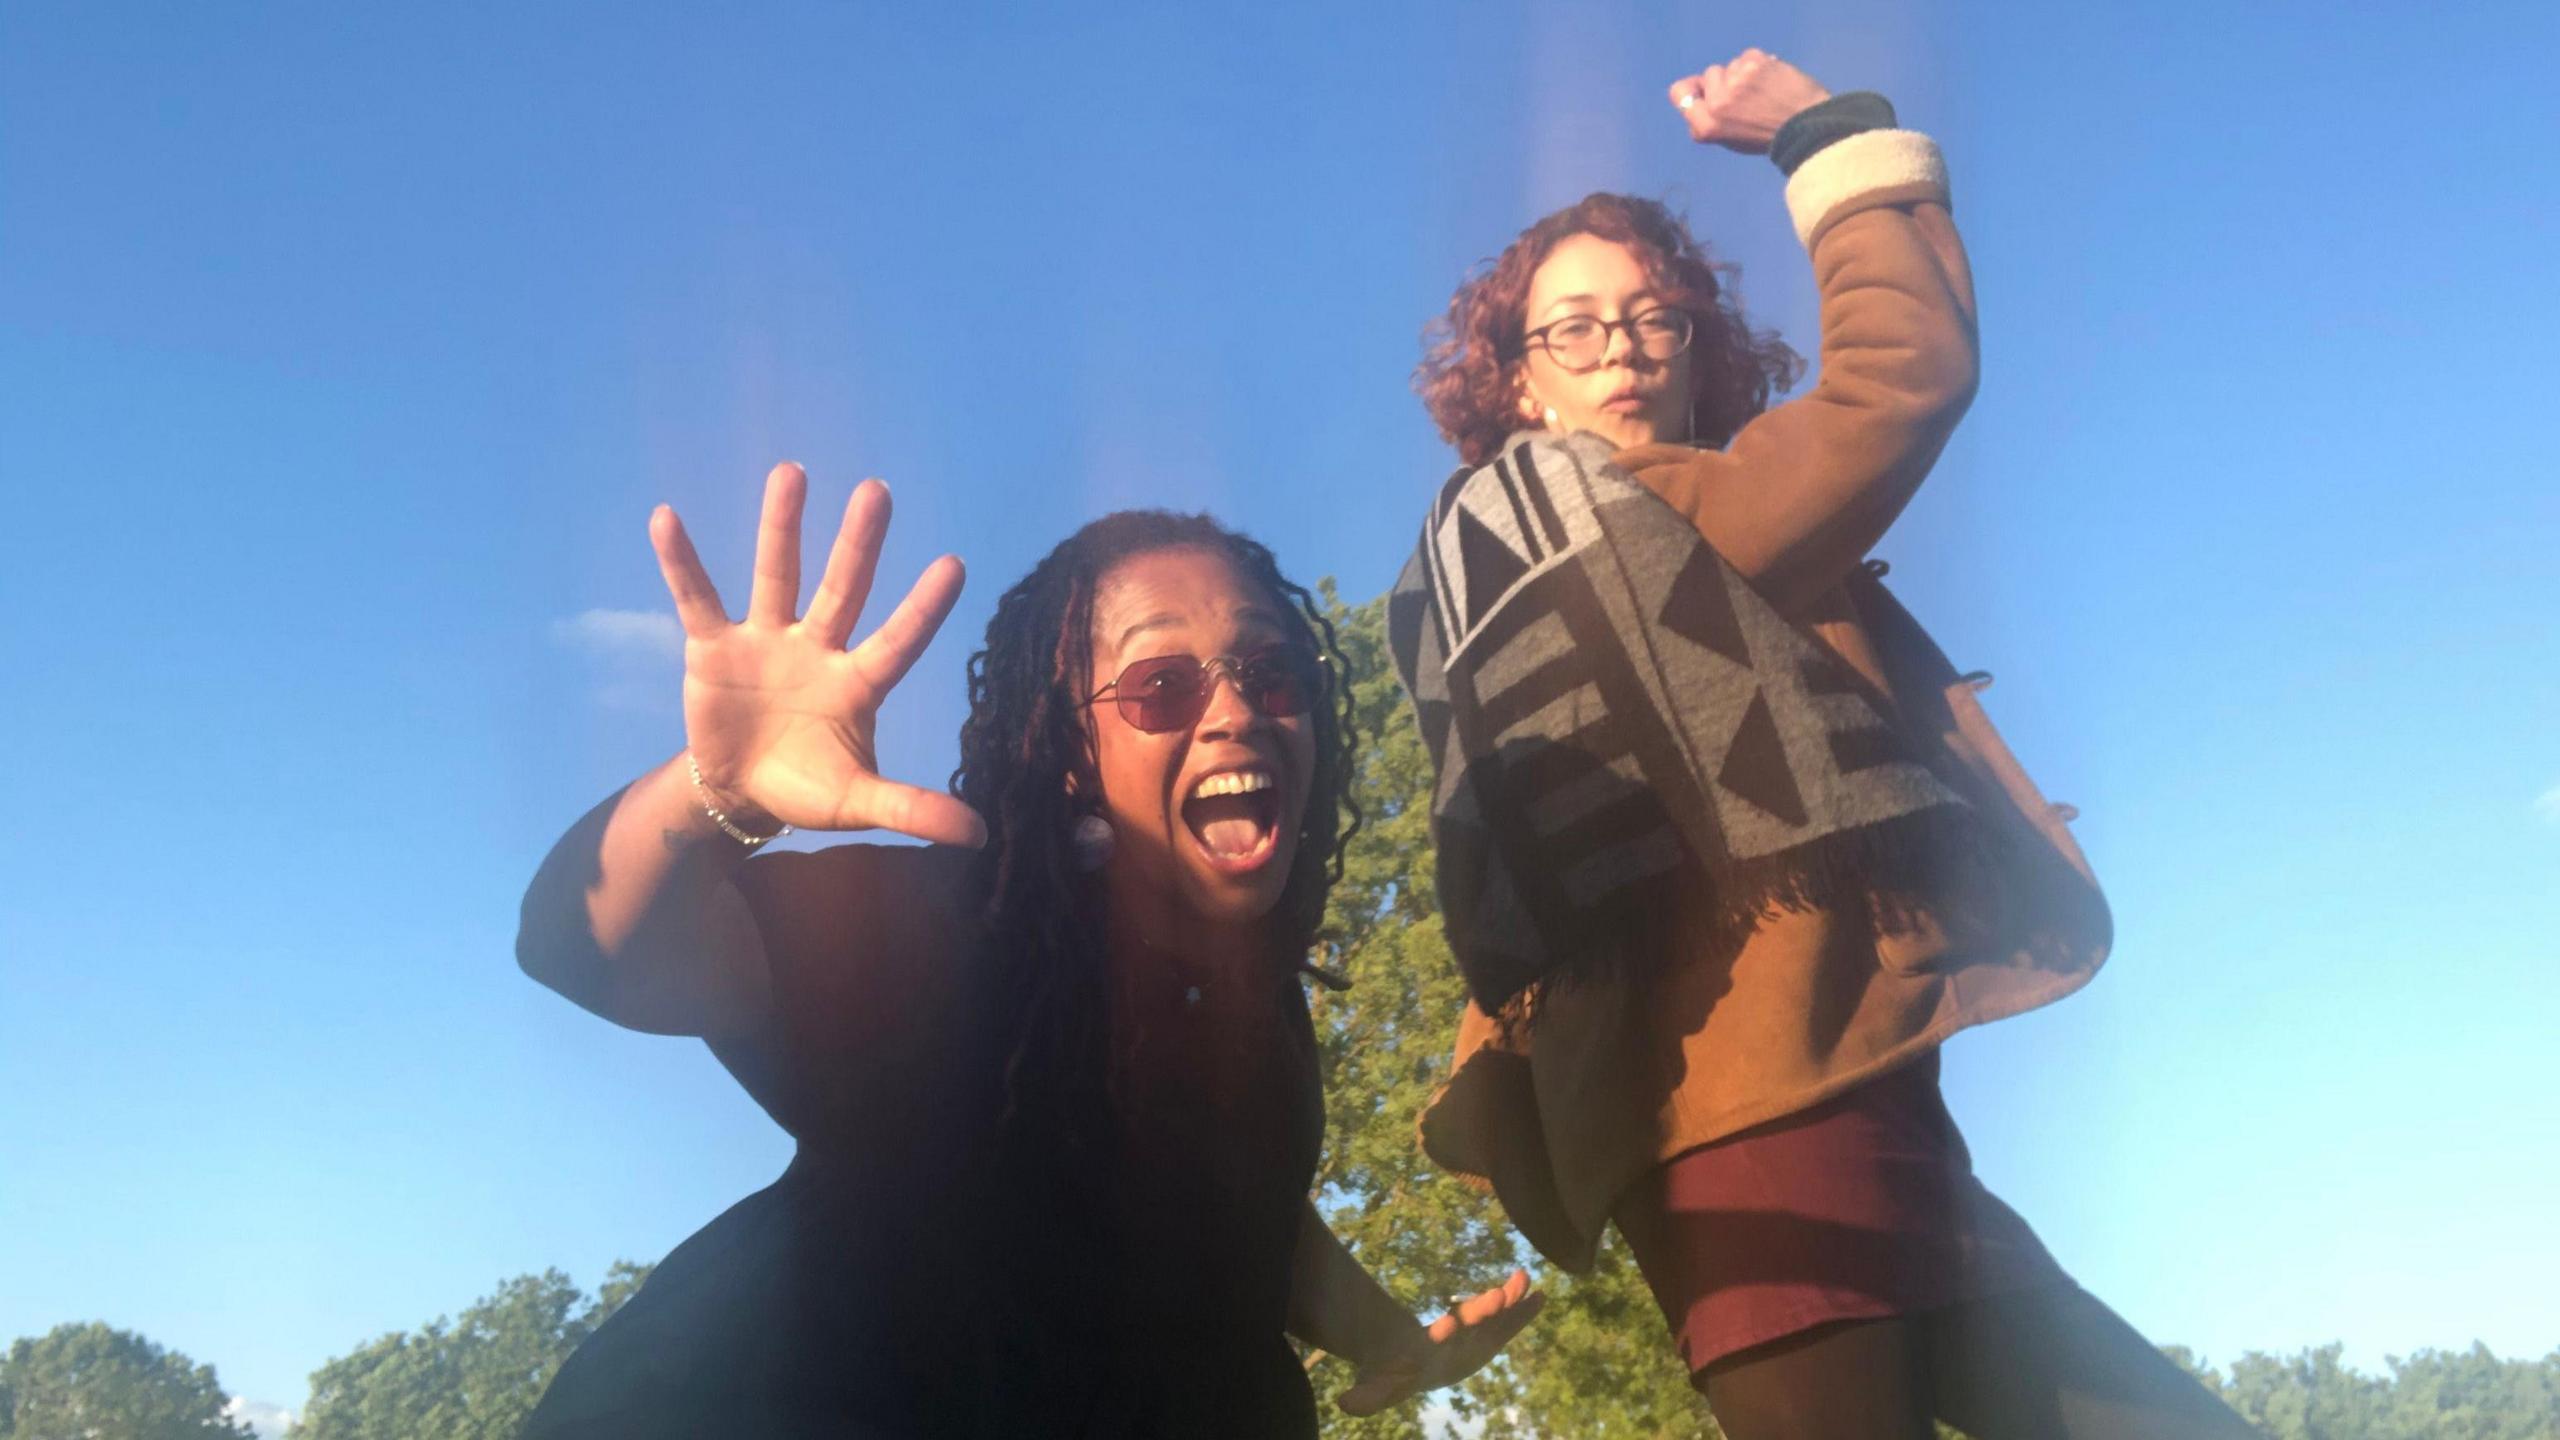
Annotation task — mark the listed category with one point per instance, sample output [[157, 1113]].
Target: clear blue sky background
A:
[[342, 356]]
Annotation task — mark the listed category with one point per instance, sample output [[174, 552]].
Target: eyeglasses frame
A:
[[1216, 667], [1537, 339]]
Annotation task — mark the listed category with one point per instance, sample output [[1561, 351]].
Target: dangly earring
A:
[[1092, 839], [1549, 415]]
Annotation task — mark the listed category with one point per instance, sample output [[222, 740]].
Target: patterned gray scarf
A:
[[1627, 734]]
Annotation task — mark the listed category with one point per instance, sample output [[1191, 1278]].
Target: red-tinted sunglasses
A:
[[1171, 692]]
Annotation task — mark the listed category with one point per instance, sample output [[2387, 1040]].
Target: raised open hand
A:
[[1741, 103], [1450, 1349], [777, 712]]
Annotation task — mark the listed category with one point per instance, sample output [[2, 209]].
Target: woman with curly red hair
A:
[[1476, 382], [1727, 849]]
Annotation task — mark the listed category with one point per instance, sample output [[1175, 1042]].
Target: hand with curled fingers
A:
[[1447, 1350], [778, 713], [1741, 103]]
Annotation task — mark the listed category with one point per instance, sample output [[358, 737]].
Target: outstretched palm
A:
[[777, 712]]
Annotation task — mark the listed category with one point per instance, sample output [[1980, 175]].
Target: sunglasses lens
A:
[[1280, 682], [1163, 694], [1170, 691]]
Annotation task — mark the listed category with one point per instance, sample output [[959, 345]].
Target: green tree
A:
[[2432, 1395], [2475, 1395], [475, 1377], [95, 1382], [1598, 1363]]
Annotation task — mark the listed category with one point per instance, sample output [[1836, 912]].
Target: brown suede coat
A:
[[1612, 1079]]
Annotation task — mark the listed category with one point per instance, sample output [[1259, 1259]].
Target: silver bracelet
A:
[[727, 826]]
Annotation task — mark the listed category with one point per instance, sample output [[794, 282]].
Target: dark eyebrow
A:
[[1152, 622], [1245, 615]]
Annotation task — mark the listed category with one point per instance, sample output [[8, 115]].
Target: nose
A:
[[1621, 348], [1228, 713]]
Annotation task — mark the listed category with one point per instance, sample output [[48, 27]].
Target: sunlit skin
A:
[[780, 716], [1168, 890], [1629, 398]]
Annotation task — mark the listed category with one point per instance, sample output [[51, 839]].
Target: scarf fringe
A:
[[1944, 861]]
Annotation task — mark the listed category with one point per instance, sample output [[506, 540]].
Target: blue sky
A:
[[342, 356]]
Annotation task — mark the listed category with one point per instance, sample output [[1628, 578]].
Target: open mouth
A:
[[1234, 817]]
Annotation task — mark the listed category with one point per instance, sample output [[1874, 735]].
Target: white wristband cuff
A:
[[1858, 165]]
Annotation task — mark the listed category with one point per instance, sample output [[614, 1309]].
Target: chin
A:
[[1236, 912], [1247, 899], [1625, 431]]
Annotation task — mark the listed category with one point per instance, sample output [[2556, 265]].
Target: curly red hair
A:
[[1470, 377]]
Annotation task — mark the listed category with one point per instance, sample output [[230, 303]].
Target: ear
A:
[[1530, 409], [1084, 778]]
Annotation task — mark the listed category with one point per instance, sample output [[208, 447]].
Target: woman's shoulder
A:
[[883, 915], [1526, 495], [1527, 455], [869, 949], [858, 882]]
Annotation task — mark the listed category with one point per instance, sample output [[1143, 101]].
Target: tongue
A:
[[1228, 824], [1231, 837]]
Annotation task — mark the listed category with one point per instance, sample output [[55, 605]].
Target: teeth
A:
[[1232, 782]]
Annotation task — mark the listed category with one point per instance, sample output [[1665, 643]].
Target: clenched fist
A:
[[1741, 103]]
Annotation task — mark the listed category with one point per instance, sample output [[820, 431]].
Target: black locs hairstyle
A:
[[1027, 733]]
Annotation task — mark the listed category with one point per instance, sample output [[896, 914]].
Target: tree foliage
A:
[[2432, 1395], [475, 1377], [94, 1382]]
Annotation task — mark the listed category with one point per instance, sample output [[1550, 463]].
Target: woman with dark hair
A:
[[1052, 1074], [1727, 849]]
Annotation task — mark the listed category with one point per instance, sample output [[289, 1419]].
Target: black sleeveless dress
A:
[[909, 1276]]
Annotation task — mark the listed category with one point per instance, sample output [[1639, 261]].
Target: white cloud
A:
[[268, 1420], [2547, 805], [633, 656], [618, 633]]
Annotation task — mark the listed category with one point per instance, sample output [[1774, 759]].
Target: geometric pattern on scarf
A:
[[1619, 722]]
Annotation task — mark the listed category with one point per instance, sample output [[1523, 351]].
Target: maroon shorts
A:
[[1861, 1207]]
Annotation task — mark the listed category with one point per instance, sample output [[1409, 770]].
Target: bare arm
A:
[[635, 914], [1336, 1305]]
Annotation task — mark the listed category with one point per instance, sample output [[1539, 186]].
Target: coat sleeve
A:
[[1802, 492], [852, 1025]]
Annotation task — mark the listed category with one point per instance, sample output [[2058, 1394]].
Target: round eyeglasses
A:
[[1171, 692], [1580, 342]]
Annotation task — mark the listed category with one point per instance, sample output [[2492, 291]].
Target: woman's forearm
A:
[[633, 916], [1335, 1304]]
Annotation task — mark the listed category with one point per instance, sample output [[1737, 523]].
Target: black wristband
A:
[[1815, 126]]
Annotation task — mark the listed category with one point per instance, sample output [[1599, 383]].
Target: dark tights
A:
[[2047, 1364]]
